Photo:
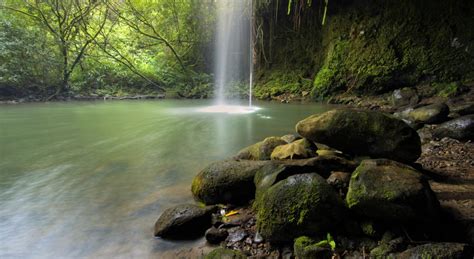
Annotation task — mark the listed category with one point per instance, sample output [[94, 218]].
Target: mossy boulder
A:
[[461, 128], [261, 150], [368, 133], [302, 204], [429, 114], [439, 251], [228, 181], [224, 253], [277, 171], [186, 221], [307, 248], [388, 190], [298, 149]]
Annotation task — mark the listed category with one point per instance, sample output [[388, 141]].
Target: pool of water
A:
[[89, 179]]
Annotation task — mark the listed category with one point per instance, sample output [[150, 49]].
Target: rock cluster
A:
[[349, 173]]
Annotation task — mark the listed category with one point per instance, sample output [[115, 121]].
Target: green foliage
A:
[[113, 47], [328, 242], [281, 82], [26, 62], [447, 89]]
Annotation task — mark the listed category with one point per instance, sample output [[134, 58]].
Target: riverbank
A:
[[280, 222]]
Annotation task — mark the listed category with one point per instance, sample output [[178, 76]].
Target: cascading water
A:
[[233, 55]]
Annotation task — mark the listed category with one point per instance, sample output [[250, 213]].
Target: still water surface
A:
[[89, 179]]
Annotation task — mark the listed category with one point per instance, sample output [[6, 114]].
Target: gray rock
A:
[[184, 222], [463, 109], [405, 96], [429, 114], [439, 251], [277, 171], [227, 182], [461, 128], [215, 235]]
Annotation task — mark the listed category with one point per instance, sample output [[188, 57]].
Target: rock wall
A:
[[363, 47]]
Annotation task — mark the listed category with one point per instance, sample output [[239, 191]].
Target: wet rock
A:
[[439, 251], [184, 222], [226, 182], [290, 138], [339, 180], [216, 235], [426, 133], [277, 171], [405, 96], [224, 253], [388, 190], [302, 204], [461, 128], [463, 109], [236, 234], [308, 248], [261, 150], [430, 114], [299, 149], [363, 133]]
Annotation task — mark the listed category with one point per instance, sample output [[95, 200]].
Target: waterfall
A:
[[233, 43]]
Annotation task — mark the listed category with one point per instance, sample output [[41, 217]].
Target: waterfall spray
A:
[[251, 52]]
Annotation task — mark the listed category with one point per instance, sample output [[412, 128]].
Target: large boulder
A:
[[363, 133], [261, 150], [225, 182], [461, 128], [298, 149], [429, 114], [388, 190], [302, 204], [439, 251], [184, 221], [276, 171]]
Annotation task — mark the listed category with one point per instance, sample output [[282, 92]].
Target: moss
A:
[[368, 228], [369, 47], [282, 82], [307, 248], [261, 150], [447, 89], [224, 253], [301, 204]]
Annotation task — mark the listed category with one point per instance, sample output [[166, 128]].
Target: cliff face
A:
[[363, 47]]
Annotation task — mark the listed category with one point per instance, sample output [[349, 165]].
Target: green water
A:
[[89, 179]]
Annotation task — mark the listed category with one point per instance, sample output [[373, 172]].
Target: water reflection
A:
[[88, 180]]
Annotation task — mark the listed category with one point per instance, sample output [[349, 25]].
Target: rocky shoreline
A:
[[350, 183]]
